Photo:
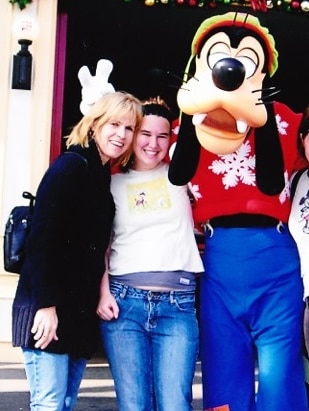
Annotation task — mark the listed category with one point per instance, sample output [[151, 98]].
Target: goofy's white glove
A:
[[94, 87]]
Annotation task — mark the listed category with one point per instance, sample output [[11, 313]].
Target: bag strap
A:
[[78, 155], [30, 197]]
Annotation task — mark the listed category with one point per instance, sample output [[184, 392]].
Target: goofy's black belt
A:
[[243, 220]]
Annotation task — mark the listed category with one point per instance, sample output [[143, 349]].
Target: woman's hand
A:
[[107, 308], [44, 327]]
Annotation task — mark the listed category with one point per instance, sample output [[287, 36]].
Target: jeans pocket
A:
[[117, 290], [185, 303]]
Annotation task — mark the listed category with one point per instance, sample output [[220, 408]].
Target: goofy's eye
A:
[[249, 64], [215, 57]]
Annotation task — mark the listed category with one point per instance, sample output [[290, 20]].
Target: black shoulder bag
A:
[[16, 231]]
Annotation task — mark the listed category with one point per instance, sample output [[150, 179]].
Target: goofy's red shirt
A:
[[226, 184]]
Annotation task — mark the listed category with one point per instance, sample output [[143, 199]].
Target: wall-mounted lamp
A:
[[22, 66]]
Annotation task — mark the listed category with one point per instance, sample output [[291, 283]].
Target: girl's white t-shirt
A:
[[153, 227]]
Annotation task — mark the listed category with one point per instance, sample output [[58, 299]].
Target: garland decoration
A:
[[260, 5], [21, 3]]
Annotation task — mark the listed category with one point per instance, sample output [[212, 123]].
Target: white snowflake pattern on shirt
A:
[[195, 190], [285, 193], [237, 167], [282, 125]]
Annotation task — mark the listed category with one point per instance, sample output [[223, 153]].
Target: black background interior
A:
[[137, 38]]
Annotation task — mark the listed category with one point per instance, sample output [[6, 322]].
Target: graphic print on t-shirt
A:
[[148, 196], [304, 212]]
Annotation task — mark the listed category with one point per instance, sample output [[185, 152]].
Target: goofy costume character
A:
[[237, 150]]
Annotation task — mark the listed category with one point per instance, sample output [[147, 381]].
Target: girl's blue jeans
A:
[[54, 379], [152, 348]]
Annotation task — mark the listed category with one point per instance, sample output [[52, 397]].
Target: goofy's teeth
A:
[[198, 119], [241, 126]]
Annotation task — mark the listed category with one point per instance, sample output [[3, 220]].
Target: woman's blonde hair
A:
[[111, 106]]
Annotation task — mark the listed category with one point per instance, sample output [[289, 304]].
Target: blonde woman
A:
[[54, 311]]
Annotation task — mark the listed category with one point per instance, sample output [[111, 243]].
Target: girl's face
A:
[[114, 137], [306, 145], [151, 143]]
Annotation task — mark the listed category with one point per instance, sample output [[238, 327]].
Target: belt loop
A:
[[172, 297], [124, 290], [208, 227], [280, 227]]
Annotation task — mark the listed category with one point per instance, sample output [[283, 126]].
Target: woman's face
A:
[[151, 143], [114, 137]]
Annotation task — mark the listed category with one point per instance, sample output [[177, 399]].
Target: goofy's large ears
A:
[[186, 154], [269, 165]]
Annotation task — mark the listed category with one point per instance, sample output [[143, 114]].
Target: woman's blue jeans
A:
[[54, 379], [152, 348]]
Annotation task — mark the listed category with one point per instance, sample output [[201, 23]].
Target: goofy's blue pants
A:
[[251, 321]]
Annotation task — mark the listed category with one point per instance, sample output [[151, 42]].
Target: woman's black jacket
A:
[[64, 263]]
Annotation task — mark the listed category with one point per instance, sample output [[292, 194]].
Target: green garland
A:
[[21, 3], [298, 6], [288, 5]]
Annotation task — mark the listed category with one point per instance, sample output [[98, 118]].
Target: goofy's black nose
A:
[[228, 74]]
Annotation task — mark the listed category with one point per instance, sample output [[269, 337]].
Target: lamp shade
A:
[[22, 67]]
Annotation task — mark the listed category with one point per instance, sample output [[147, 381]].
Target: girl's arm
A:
[[107, 307]]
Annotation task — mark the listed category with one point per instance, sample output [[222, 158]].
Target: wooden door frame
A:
[[59, 80]]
